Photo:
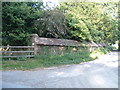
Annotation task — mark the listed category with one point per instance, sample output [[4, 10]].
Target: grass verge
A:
[[41, 61]]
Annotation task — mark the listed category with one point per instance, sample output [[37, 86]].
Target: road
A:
[[100, 73]]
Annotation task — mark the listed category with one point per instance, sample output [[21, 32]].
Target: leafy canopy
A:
[[18, 21]]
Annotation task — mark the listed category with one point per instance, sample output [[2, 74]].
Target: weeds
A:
[[54, 60]]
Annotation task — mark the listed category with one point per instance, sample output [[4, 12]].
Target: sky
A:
[[52, 3]]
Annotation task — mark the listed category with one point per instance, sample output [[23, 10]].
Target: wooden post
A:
[[9, 53]]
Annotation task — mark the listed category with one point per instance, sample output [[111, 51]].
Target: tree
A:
[[82, 21], [81, 18], [90, 22], [52, 24], [119, 32], [111, 10], [18, 21]]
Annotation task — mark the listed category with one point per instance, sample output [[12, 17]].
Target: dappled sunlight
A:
[[101, 80], [100, 73], [97, 80], [87, 65], [110, 60], [60, 73], [71, 73], [77, 70], [95, 54], [54, 74], [112, 64]]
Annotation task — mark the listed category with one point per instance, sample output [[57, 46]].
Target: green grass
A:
[[41, 61]]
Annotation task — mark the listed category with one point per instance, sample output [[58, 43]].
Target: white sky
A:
[[52, 4]]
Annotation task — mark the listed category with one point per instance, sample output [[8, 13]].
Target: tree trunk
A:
[[119, 45]]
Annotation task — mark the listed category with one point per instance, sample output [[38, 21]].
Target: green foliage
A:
[[100, 51], [82, 21], [18, 21], [52, 24], [48, 60], [79, 19], [91, 21]]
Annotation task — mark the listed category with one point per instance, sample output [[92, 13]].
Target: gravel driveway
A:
[[100, 73]]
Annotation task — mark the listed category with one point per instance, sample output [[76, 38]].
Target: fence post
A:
[[9, 53]]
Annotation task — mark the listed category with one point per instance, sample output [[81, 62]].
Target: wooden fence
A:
[[16, 51]]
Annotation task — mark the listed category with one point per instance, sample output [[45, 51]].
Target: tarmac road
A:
[[100, 73]]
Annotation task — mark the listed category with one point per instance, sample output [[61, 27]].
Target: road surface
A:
[[100, 73]]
